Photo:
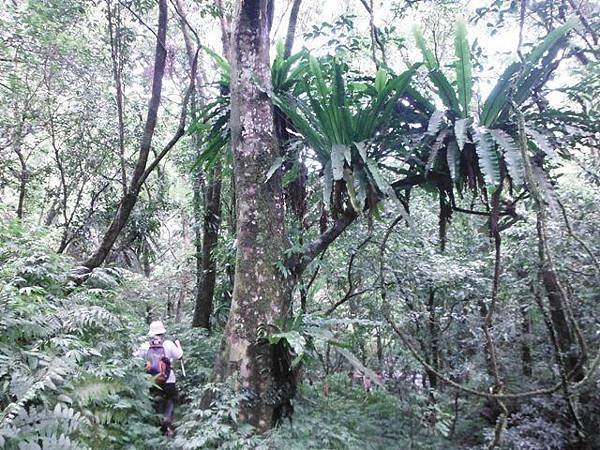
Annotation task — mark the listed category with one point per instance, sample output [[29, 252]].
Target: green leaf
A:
[[294, 339], [315, 68], [463, 67], [512, 155], [497, 98], [428, 57], [552, 38], [337, 160], [380, 80], [488, 157], [221, 62], [443, 86]]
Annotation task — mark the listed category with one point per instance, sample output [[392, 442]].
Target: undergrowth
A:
[[68, 381]]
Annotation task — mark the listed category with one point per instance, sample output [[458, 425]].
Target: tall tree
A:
[[260, 293]]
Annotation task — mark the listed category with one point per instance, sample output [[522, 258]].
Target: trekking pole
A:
[[181, 361], [182, 367]]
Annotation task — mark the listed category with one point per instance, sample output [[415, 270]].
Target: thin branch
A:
[[406, 342], [350, 291], [180, 129], [299, 263], [141, 21], [577, 238]]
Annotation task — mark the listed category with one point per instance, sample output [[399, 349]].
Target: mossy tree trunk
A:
[[261, 294]]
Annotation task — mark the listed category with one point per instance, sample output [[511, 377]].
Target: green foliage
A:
[[519, 79], [463, 68], [355, 419], [488, 157], [439, 80], [65, 382], [338, 120], [515, 85]]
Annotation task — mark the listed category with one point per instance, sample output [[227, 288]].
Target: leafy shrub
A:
[[64, 376]]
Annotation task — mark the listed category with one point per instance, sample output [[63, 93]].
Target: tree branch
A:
[[291, 32]]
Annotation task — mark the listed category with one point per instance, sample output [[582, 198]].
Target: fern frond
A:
[[453, 159], [546, 187], [463, 67], [542, 142], [435, 148], [512, 155], [488, 157], [461, 127], [91, 388], [435, 122]]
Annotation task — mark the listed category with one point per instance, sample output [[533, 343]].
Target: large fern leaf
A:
[[512, 155], [498, 97], [542, 141], [463, 67], [435, 149], [435, 122], [461, 127], [429, 58], [441, 83], [453, 159], [488, 157], [496, 103]]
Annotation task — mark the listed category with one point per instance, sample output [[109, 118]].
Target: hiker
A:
[[160, 354]]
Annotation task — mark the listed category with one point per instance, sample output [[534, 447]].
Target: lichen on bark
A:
[[261, 294]]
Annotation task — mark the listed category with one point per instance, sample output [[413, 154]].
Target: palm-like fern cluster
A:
[[481, 147], [355, 128]]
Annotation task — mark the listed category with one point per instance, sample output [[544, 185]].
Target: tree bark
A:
[[116, 52], [210, 237], [526, 356], [434, 346], [24, 172], [261, 295]]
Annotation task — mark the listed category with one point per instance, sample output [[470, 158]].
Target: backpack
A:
[[157, 362]]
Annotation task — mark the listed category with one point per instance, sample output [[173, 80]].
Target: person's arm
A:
[[175, 350]]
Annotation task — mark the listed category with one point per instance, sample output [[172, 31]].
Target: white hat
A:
[[156, 327]]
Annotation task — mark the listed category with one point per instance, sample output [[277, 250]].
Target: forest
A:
[[365, 224]]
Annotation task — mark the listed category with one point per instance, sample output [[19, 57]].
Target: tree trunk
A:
[[261, 295], [564, 335], [24, 173], [206, 242], [433, 339], [210, 238], [129, 199], [558, 304], [291, 31]]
